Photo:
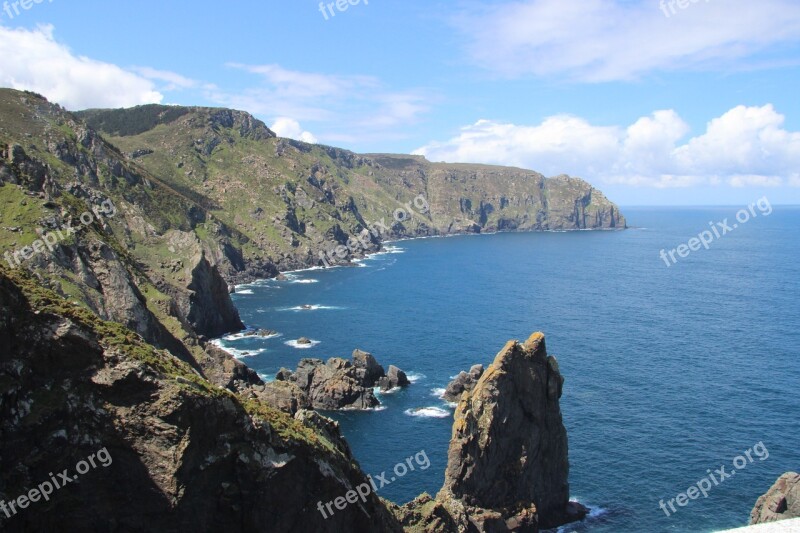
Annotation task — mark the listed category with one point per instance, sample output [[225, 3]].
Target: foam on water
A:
[[295, 344], [309, 307], [428, 412]]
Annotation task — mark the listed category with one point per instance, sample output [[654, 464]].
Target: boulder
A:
[[781, 502], [336, 384], [394, 378]]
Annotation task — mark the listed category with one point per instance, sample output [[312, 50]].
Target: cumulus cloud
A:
[[288, 127], [33, 60], [747, 146], [605, 40]]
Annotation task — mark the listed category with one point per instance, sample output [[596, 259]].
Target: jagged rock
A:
[[284, 374], [372, 370], [260, 333], [394, 378], [782, 501], [507, 466], [463, 382], [303, 341], [325, 426], [342, 384]]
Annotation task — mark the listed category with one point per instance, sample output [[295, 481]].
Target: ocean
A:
[[671, 371]]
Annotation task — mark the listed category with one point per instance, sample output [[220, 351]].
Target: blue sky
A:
[[654, 103]]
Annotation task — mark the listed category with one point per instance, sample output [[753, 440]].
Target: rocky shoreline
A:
[[107, 333]]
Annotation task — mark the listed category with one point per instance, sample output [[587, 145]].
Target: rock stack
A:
[[508, 461]]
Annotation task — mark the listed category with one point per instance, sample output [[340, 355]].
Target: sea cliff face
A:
[[293, 204]]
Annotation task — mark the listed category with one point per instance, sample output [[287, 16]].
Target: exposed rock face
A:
[[509, 446], [211, 311], [338, 384], [463, 382], [283, 395], [507, 465], [782, 501], [366, 362], [186, 454]]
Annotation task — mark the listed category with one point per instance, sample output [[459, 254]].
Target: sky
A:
[[674, 102]]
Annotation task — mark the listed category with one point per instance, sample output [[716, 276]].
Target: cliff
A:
[[293, 204], [185, 454]]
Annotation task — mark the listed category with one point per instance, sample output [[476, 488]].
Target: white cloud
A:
[[33, 60], [747, 146], [605, 40], [349, 108], [288, 127], [174, 81]]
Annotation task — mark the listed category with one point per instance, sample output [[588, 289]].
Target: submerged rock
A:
[[781, 502]]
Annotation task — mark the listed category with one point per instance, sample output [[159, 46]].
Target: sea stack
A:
[[508, 463]]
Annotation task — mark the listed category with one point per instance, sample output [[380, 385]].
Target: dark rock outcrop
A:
[[338, 383], [463, 382], [372, 371], [781, 502], [507, 465], [210, 309]]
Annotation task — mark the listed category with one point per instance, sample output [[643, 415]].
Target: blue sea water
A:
[[671, 372]]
